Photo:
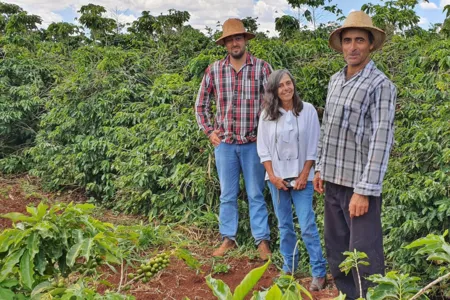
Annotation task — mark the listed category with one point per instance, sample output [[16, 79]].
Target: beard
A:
[[237, 55]]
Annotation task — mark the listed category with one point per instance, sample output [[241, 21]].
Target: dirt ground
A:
[[175, 282]]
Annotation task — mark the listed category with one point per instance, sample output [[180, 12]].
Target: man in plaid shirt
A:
[[356, 138], [237, 85]]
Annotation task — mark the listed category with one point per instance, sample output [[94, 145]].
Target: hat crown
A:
[[232, 26], [358, 19]]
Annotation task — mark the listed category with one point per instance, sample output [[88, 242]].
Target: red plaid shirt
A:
[[238, 97]]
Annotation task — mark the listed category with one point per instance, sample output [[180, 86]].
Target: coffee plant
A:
[[112, 114]]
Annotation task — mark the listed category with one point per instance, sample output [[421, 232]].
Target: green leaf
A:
[[33, 243], [8, 283], [303, 290], [42, 210], [10, 263], [86, 248], [7, 237], [15, 217], [27, 269], [187, 257], [250, 281], [290, 295], [73, 253], [274, 293], [6, 294], [382, 292], [219, 288]]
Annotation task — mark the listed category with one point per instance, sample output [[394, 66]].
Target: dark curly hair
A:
[[272, 102]]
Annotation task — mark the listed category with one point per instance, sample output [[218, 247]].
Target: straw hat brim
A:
[[378, 37], [248, 36]]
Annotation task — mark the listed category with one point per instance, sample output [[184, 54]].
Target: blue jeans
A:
[[231, 160], [302, 199]]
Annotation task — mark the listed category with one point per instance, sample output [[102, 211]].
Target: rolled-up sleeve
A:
[[203, 104], [382, 112]]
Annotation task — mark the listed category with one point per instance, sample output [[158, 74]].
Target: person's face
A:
[[356, 47], [286, 89], [235, 45]]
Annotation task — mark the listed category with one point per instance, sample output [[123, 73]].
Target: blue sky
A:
[[205, 12]]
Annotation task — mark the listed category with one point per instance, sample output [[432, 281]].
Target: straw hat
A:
[[358, 20], [233, 27]]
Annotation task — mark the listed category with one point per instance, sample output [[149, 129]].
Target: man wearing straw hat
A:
[[355, 141], [237, 85]]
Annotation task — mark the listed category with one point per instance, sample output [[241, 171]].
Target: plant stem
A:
[[359, 281], [430, 285]]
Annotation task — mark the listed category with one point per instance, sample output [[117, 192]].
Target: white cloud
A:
[[423, 21], [203, 12], [428, 5], [444, 3]]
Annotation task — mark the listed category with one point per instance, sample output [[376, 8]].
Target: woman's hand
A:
[[301, 181], [278, 182]]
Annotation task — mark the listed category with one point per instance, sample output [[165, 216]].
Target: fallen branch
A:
[[430, 285]]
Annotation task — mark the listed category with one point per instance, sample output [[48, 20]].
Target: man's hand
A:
[[359, 205], [318, 183], [301, 181], [278, 182], [214, 138]]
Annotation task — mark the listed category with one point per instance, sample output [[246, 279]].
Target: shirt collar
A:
[[365, 72], [250, 60]]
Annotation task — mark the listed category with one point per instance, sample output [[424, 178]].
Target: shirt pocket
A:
[[352, 117]]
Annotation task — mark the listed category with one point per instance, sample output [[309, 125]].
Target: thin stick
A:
[[121, 276], [430, 285]]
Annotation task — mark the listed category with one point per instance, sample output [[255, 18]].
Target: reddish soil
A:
[[175, 282]]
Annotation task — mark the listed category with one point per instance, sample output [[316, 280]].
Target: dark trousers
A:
[[343, 233]]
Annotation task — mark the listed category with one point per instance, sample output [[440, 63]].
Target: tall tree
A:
[[144, 25], [314, 8], [445, 27], [251, 24], [91, 18], [286, 26], [393, 15]]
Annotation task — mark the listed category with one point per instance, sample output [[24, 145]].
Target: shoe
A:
[[318, 283], [264, 250], [226, 246]]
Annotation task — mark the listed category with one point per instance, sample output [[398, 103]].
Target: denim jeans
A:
[[302, 199], [231, 160]]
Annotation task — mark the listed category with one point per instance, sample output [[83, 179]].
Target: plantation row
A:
[[113, 114]]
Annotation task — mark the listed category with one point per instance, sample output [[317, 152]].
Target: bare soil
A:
[[175, 282]]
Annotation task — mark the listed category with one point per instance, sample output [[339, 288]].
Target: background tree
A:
[[286, 26], [393, 15], [313, 9], [445, 27], [250, 24], [91, 18], [144, 25]]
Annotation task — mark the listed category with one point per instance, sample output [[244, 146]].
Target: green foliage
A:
[[393, 15], [220, 268], [223, 292], [57, 240], [393, 286], [352, 261], [118, 121], [76, 291], [285, 287]]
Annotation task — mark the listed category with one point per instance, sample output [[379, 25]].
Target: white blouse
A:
[[289, 141]]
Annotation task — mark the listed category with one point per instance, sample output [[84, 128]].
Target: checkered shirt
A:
[[357, 130], [238, 97]]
